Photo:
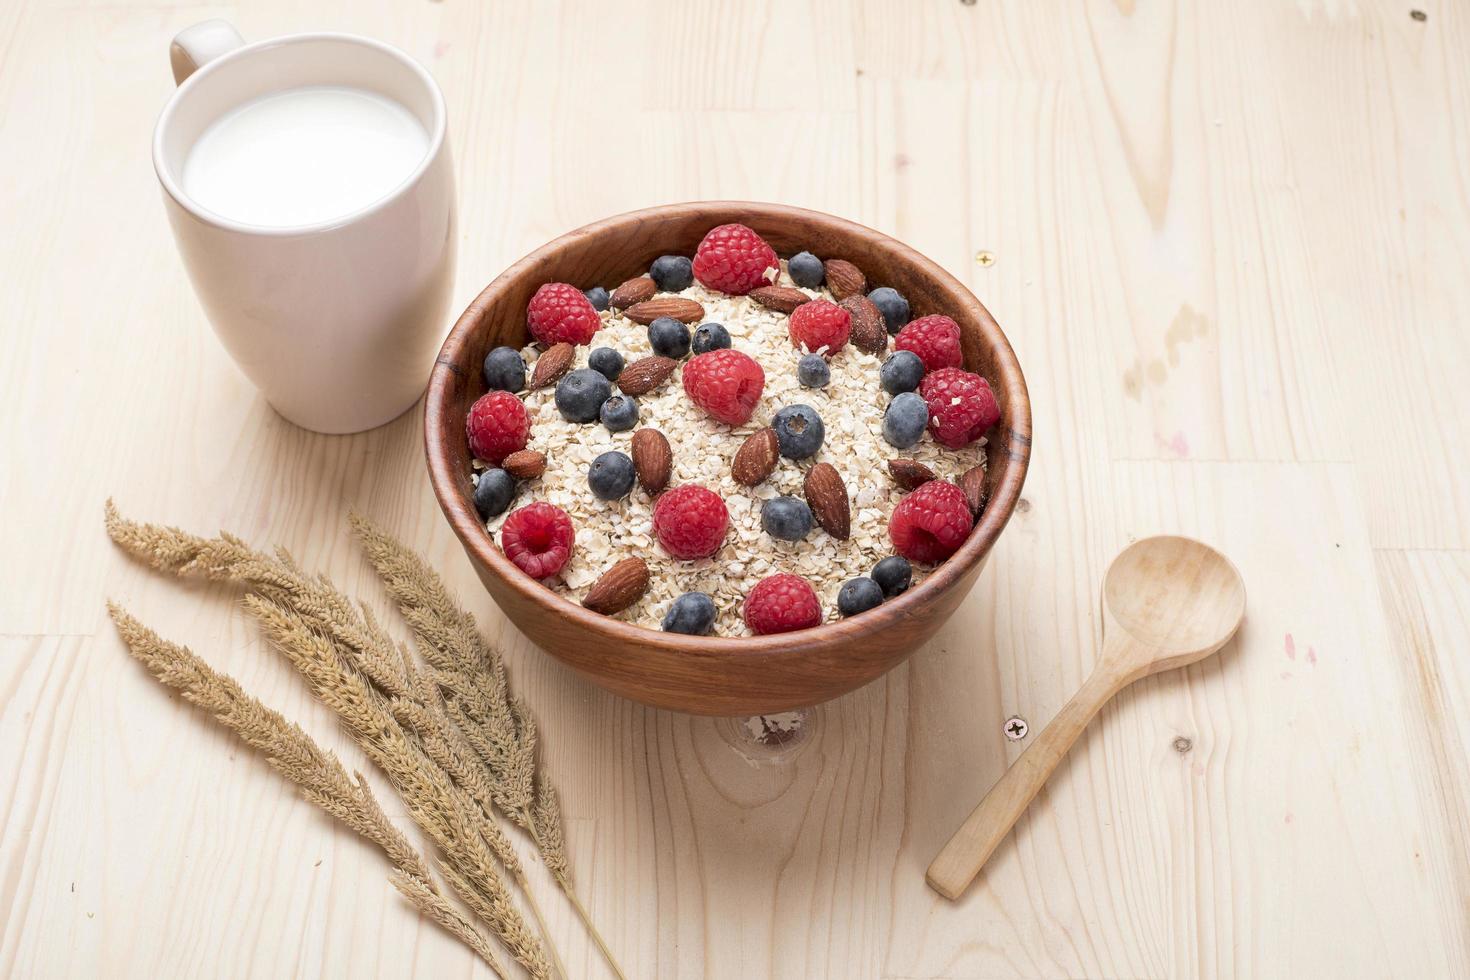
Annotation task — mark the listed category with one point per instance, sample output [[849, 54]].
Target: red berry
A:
[[497, 426], [781, 603], [725, 383], [820, 324], [961, 406], [690, 521], [931, 523], [734, 259], [560, 313], [538, 539], [936, 339]]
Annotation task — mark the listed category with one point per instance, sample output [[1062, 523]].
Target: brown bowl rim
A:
[[459, 509]]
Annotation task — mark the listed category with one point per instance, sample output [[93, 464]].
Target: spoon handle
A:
[[971, 846]]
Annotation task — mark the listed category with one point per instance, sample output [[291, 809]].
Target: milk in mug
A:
[[304, 155]]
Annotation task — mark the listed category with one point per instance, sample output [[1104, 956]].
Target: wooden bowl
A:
[[733, 676]]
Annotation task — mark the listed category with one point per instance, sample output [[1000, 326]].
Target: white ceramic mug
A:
[[337, 323]]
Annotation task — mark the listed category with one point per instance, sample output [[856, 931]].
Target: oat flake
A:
[[851, 407]]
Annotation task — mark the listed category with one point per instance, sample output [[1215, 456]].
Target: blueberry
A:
[[597, 296], [579, 395], [787, 518], [905, 419], [806, 270], [606, 362], [668, 337], [812, 371], [504, 370], [892, 305], [692, 614], [672, 273], [799, 431], [901, 372], [858, 595], [711, 336], [494, 492], [619, 413], [611, 476], [893, 575]]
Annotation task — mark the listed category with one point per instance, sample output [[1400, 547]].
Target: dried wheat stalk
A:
[[315, 771], [471, 677], [355, 669]]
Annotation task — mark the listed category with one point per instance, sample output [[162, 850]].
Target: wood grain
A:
[[1264, 201]]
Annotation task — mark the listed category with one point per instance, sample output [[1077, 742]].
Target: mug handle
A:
[[195, 46]]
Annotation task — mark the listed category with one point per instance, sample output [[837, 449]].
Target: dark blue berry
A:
[[672, 273], [711, 336], [611, 476], [668, 337], [494, 493], [619, 413], [799, 431], [858, 595], [579, 395], [787, 518], [901, 372], [606, 362], [692, 614], [504, 370], [806, 270], [905, 419], [597, 296], [812, 371], [893, 575], [892, 305]]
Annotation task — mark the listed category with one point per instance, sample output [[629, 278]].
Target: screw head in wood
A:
[[1015, 728]]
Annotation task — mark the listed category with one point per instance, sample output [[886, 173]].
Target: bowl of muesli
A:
[[724, 457]]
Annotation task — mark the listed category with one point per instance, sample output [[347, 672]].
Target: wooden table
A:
[[1229, 242]]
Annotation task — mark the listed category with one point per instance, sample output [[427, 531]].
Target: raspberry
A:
[[538, 539], [961, 406], [936, 339], [559, 313], [690, 521], [781, 603], [725, 383], [734, 259], [497, 426], [931, 523], [820, 324]]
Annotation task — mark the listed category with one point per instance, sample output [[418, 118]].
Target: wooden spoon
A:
[[1167, 602]]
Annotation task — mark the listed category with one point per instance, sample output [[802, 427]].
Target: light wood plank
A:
[[1267, 201]]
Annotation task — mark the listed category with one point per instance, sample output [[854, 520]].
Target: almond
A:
[[681, 309], [910, 474], [756, 458], [826, 495], [869, 332], [618, 588], [552, 365], [653, 460], [844, 279], [973, 484], [645, 374], [632, 292], [527, 464], [782, 299]]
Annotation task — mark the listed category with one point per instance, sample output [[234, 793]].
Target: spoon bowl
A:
[[1169, 601]]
